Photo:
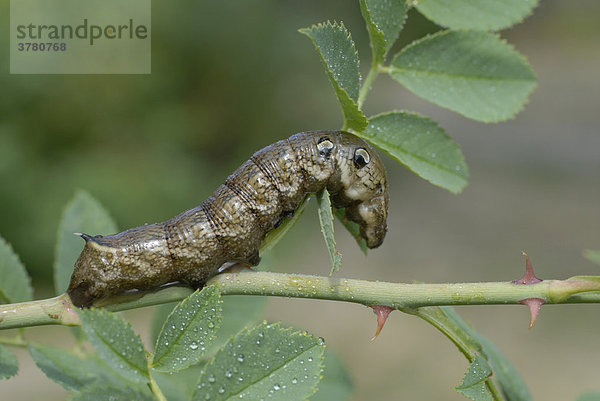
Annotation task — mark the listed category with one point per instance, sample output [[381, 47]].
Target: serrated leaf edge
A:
[[264, 323], [14, 357], [337, 87], [445, 32], [379, 59], [78, 192], [366, 12], [501, 118], [463, 160], [489, 29], [216, 328], [145, 373], [341, 28], [23, 269]]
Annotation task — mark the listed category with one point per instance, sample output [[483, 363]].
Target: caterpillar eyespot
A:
[[361, 157], [230, 225], [325, 146]]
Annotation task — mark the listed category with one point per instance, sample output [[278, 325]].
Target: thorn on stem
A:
[[382, 312], [534, 305], [529, 277]]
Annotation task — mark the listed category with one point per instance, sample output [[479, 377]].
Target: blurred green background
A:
[[228, 79]]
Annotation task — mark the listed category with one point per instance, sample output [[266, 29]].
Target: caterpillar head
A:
[[363, 188], [81, 289]]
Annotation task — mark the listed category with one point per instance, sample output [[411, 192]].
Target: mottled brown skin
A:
[[231, 224]]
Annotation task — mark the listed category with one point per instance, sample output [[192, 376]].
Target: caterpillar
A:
[[230, 225]]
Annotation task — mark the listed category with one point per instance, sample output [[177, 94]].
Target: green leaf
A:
[[421, 145], [340, 59], [178, 386], [512, 384], [385, 20], [473, 385], [160, 315], [336, 383], [592, 256], [589, 397], [9, 365], [326, 220], [116, 343], [83, 214], [15, 284], [275, 235], [474, 73], [239, 312], [70, 370], [265, 362], [353, 228], [479, 14], [3, 298], [103, 393], [336, 48], [188, 331]]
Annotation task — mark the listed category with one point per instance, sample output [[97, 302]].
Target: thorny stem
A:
[[59, 310]]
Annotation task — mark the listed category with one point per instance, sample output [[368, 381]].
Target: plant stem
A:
[[14, 341], [368, 82], [156, 389], [59, 310], [460, 337]]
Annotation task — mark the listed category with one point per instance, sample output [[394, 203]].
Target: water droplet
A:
[[240, 358], [294, 380], [228, 374], [310, 359], [194, 345], [221, 390], [276, 387], [321, 341], [211, 379]]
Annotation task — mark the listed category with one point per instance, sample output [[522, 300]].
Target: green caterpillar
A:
[[231, 224]]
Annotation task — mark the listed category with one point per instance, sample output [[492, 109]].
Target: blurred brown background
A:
[[227, 80]]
